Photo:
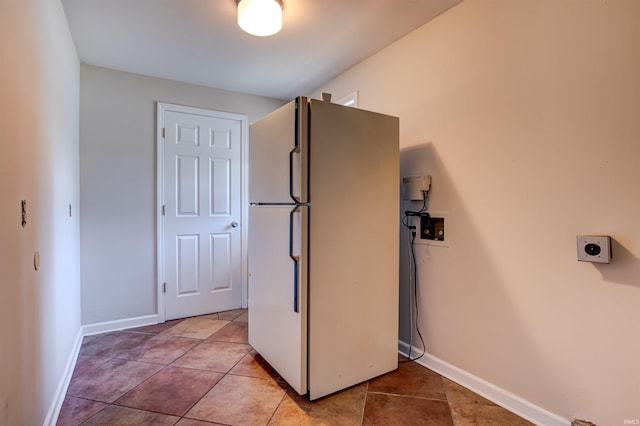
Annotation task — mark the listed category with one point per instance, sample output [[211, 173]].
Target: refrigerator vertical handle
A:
[[295, 259], [293, 152]]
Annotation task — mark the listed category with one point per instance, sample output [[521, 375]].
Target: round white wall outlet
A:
[[594, 248]]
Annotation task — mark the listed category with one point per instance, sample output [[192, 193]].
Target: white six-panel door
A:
[[201, 217]]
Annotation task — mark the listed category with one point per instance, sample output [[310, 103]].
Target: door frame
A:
[[161, 108]]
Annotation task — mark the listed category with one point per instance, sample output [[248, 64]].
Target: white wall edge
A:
[[63, 386], [103, 327], [244, 159], [503, 398], [160, 300]]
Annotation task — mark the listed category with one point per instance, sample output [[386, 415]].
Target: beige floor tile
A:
[[238, 400], [74, 411], [115, 415], [214, 356], [196, 328], [158, 328], [162, 349], [457, 394], [235, 331], [192, 422], [172, 390], [382, 409], [410, 379], [474, 415], [244, 317], [253, 365], [116, 344], [232, 315], [343, 408], [105, 379]]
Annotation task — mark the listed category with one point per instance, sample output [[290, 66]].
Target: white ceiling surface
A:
[[199, 41]]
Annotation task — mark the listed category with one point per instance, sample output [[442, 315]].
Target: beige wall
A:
[[39, 110], [527, 115], [118, 183]]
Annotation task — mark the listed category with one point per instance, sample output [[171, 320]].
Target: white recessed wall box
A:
[[414, 188], [594, 248]]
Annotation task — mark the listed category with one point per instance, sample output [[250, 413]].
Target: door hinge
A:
[[164, 132], [164, 287], [164, 210]]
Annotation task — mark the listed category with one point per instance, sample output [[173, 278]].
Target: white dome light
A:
[[260, 17]]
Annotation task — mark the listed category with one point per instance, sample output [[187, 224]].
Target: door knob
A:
[[234, 224]]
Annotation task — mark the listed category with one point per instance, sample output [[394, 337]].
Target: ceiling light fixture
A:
[[260, 17]]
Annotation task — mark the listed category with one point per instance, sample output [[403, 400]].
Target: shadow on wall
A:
[[464, 298], [419, 160], [622, 263], [415, 160]]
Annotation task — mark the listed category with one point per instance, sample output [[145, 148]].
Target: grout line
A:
[[453, 419], [277, 407], [408, 396], [364, 404]]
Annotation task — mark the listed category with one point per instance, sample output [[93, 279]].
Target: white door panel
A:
[[187, 185], [187, 259], [202, 197], [220, 262]]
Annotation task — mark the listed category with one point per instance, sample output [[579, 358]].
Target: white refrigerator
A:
[[323, 244]]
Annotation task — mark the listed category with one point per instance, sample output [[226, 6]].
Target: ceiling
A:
[[199, 41]]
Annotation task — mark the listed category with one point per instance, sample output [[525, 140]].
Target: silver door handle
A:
[[234, 224]]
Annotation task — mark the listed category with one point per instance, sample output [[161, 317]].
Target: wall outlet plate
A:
[[432, 228], [446, 229], [594, 248]]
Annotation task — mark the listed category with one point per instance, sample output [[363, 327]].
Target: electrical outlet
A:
[[432, 228], [594, 248], [439, 229]]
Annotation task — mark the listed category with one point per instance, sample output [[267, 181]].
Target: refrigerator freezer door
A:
[[278, 155], [277, 290]]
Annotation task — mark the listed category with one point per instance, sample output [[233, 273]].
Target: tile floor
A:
[[201, 371]]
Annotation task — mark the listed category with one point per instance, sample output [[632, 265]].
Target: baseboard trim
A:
[[61, 391], [104, 327], [503, 398]]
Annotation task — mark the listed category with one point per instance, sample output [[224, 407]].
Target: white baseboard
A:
[[103, 327], [493, 393], [61, 391]]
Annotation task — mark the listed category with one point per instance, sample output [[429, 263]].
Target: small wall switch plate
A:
[[594, 248]]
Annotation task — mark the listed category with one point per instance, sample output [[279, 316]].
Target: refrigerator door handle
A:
[[295, 258], [292, 153]]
